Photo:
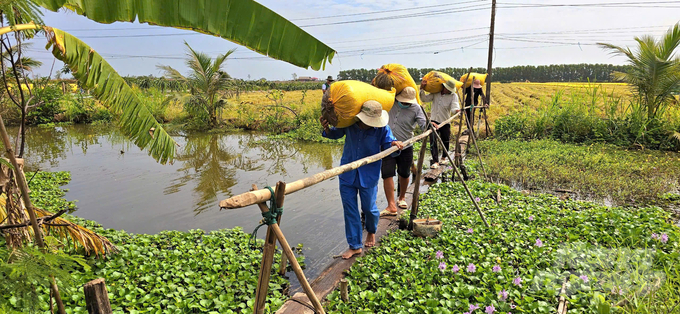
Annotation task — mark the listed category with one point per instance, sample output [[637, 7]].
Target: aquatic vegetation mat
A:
[[168, 272], [613, 260]]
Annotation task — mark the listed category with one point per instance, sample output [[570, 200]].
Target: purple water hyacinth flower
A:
[[470, 230], [539, 243], [477, 199], [584, 278], [473, 307], [512, 306], [531, 218], [617, 290], [517, 281], [439, 255], [471, 268], [442, 266], [496, 269], [490, 309], [655, 236], [664, 238], [503, 295], [455, 269]]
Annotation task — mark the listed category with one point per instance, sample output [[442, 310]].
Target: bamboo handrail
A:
[[259, 196]]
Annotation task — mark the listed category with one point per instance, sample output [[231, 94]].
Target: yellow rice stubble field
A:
[[505, 97]]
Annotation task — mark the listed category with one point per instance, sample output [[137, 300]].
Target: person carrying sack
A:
[[368, 136], [476, 90], [404, 116], [444, 105]]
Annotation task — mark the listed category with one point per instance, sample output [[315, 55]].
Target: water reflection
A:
[[210, 165]]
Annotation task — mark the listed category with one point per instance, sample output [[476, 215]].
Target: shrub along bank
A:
[[597, 170], [615, 259], [169, 272]]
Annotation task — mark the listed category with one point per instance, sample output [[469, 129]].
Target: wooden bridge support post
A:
[[96, 297], [416, 181], [267, 255], [265, 270]]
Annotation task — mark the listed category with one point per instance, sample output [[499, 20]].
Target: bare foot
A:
[[370, 240], [350, 253]]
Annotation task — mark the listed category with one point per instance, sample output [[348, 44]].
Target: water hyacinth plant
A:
[[533, 259]]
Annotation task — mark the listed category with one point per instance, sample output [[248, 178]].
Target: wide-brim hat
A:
[[330, 78], [450, 85], [476, 84], [407, 95], [373, 115]]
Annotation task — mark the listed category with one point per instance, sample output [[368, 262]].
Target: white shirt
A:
[[443, 105]]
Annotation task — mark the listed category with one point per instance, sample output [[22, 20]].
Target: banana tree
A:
[[245, 22]]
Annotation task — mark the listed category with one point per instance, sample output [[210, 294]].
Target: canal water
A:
[[121, 187]]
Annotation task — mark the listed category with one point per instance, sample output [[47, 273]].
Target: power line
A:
[[385, 11], [405, 16], [648, 4]]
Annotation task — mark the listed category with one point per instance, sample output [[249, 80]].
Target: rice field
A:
[[505, 97]]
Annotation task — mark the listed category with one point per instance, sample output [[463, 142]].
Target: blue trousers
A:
[[353, 230]]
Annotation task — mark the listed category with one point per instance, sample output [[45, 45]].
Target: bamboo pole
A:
[[267, 256], [457, 151], [343, 290], [259, 196], [474, 141], [281, 186], [460, 177], [21, 182], [298, 270], [489, 65], [419, 170], [23, 187]]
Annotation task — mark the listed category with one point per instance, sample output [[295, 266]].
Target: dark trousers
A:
[[445, 134], [470, 115]]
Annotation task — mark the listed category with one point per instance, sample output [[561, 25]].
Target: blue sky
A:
[[455, 30]]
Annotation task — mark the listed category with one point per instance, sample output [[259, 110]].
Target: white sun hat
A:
[[373, 115]]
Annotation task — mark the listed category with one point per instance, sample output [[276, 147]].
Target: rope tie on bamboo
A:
[[268, 218]]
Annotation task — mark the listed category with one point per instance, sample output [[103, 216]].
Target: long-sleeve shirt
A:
[[403, 120], [360, 144], [443, 105]]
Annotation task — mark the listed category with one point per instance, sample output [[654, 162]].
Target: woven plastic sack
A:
[[395, 76], [473, 75], [344, 99], [434, 81]]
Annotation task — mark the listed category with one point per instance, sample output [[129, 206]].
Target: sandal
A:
[[387, 213], [402, 204], [434, 166]]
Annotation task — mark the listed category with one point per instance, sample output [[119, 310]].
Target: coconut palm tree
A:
[[655, 70], [205, 83]]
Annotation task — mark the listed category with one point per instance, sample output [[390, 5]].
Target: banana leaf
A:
[[95, 74], [244, 22]]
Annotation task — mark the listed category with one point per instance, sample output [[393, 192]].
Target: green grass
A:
[[596, 170], [613, 247]]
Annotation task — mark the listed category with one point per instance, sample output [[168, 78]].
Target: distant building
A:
[[307, 79]]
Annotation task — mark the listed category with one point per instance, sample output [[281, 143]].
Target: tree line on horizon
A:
[[540, 74]]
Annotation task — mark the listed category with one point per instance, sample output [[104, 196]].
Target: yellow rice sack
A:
[[344, 99], [395, 76], [473, 75], [434, 81]]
